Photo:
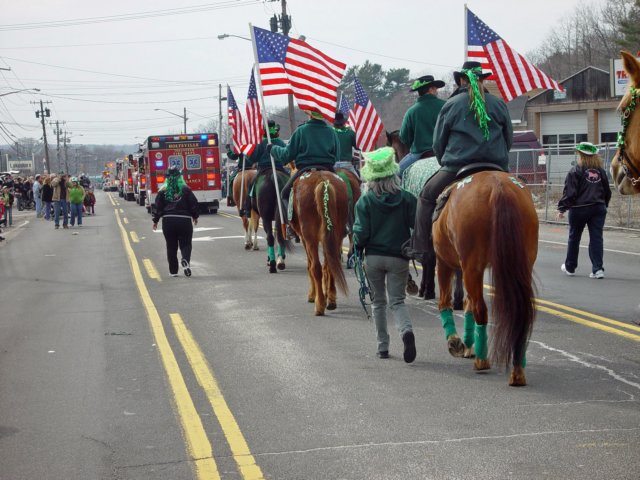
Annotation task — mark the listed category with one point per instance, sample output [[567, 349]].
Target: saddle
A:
[[464, 176]]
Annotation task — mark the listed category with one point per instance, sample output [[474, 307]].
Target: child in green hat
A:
[[385, 215]]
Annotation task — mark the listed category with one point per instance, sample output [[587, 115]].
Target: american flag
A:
[[235, 122], [346, 110], [367, 123], [288, 65], [253, 121], [513, 73]]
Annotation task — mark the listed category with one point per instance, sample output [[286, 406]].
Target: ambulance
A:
[[196, 155]]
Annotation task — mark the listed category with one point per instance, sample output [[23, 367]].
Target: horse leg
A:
[[329, 286], [454, 344], [458, 293], [253, 223], [473, 282], [315, 272], [428, 285], [271, 256], [247, 234], [281, 248]]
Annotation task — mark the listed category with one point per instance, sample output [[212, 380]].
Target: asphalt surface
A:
[[88, 390]]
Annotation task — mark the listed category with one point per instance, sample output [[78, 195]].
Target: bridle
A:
[[632, 172]]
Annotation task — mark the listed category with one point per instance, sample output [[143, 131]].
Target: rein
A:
[[361, 275], [632, 172]]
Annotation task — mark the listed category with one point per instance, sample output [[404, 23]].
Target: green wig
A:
[[174, 185]]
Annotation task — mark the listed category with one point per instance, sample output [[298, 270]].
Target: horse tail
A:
[[514, 287], [331, 232]]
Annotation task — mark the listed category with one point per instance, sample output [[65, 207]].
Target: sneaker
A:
[[409, 341], [598, 274], [57, 227], [65, 226], [186, 267], [384, 354], [564, 269], [174, 274]]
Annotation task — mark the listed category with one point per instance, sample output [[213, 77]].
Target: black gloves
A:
[[269, 146]]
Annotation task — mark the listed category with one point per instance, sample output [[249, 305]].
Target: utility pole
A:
[[41, 114], [65, 142], [57, 132]]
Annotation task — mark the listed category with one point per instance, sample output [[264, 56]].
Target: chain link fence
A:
[[544, 171]]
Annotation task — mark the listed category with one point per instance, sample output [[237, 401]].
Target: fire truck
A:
[[127, 168], [196, 155], [139, 178]]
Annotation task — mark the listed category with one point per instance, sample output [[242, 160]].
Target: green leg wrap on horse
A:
[[469, 329], [446, 319], [523, 364], [481, 342], [271, 254], [281, 251]]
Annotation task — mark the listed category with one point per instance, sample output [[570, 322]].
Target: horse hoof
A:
[[469, 352], [481, 364], [272, 267], [332, 306], [517, 378], [412, 287], [248, 246], [429, 295], [281, 266], [421, 292], [256, 247], [311, 300], [455, 346], [318, 313], [458, 305]]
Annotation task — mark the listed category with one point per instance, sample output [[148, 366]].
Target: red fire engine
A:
[[197, 156]]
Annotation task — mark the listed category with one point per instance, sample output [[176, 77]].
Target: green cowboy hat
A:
[[426, 81], [475, 67], [587, 148], [379, 164]]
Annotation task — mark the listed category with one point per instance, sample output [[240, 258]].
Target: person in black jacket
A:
[[586, 196], [178, 207]]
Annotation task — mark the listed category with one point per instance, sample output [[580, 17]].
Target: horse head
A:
[[393, 140], [625, 166]]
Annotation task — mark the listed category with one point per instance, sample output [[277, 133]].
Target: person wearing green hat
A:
[[178, 207], [586, 196], [262, 158], [420, 120], [347, 141], [385, 215], [472, 127], [314, 144], [76, 199]]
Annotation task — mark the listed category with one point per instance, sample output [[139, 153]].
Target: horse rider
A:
[[347, 141], [261, 157], [314, 145], [473, 126], [231, 155], [420, 120]]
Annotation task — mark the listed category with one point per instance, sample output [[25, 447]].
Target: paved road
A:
[[109, 368]]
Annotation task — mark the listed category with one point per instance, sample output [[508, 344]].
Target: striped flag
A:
[[292, 66], [367, 123], [513, 73], [235, 122], [346, 110], [253, 120]]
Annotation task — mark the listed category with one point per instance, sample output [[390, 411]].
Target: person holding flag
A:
[[420, 120], [347, 141], [473, 126], [260, 156]]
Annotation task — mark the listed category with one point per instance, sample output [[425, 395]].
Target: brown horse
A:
[[320, 218], [250, 224], [427, 283], [625, 166], [489, 220]]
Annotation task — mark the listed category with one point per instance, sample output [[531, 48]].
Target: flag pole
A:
[[241, 199], [266, 129], [466, 35]]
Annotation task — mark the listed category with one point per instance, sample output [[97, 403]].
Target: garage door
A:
[[563, 122], [608, 125]]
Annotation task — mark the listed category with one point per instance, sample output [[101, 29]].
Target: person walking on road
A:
[[385, 216], [8, 198], [586, 196], [178, 207], [37, 195], [47, 197], [60, 199], [76, 199]]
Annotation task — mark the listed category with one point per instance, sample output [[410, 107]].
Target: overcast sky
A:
[[105, 77]]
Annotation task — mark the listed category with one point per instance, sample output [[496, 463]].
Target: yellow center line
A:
[[198, 445], [628, 326], [151, 269], [111, 198], [121, 210], [125, 220], [237, 443], [134, 237]]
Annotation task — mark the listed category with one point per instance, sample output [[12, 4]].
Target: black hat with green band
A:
[[426, 81], [470, 67]]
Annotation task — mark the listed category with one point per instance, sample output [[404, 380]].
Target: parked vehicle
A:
[[527, 159]]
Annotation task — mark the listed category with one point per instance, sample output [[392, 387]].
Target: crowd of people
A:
[[54, 198]]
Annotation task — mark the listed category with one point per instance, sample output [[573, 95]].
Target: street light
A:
[[227, 35], [184, 116], [18, 91]]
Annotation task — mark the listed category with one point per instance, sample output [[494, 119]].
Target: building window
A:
[[563, 144], [609, 137]]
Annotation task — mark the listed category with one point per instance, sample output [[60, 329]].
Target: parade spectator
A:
[[90, 201], [47, 197], [8, 199], [76, 200], [384, 218], [178, 207], [3, 220], [586, 196], [37, 195], [60, 198]]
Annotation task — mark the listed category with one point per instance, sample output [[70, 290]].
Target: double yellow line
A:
[[199, 447]]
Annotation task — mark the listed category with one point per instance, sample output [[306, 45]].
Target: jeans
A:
[[38, 207], [61, 206], [76, 211], [47, 210], [393, 272], [593, 217], [178, 232]]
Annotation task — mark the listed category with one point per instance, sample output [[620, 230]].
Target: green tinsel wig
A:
[[478, 105], [173, 186]]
